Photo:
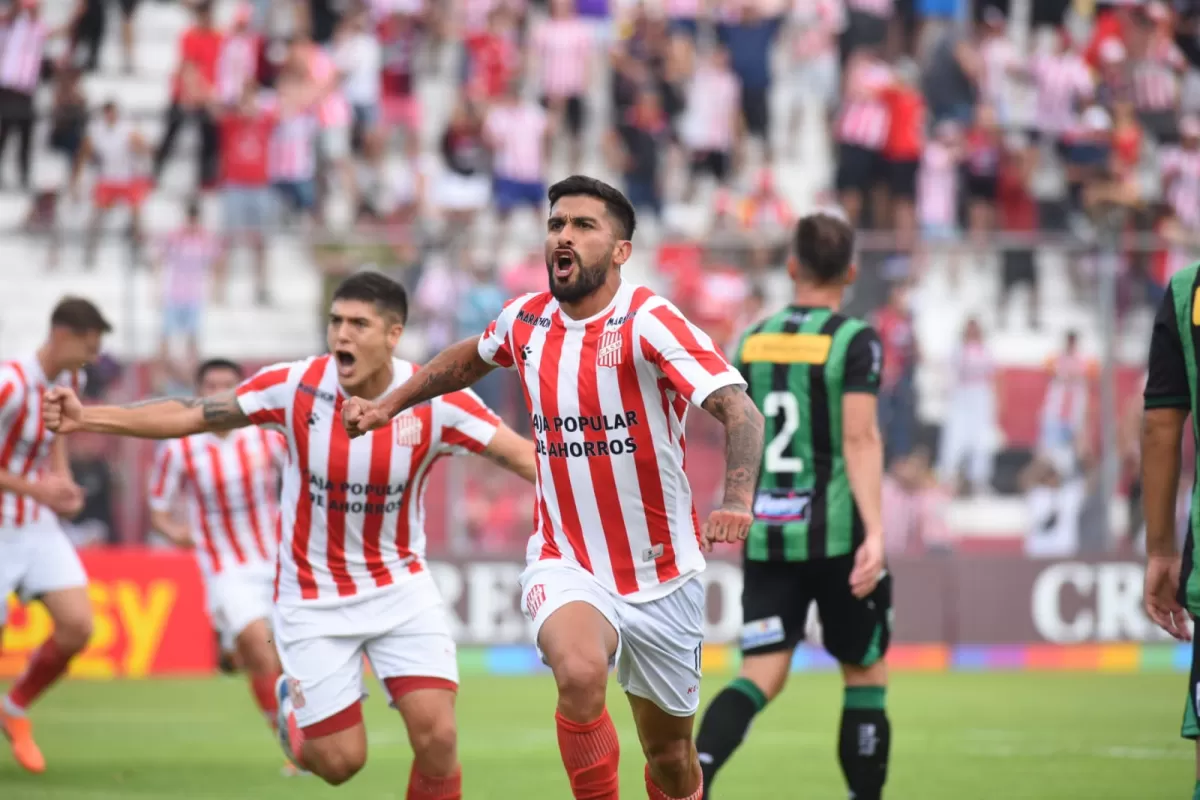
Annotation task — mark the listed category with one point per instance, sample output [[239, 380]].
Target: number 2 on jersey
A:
[[774, 404]]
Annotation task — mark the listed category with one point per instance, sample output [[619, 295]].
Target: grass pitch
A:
[[956, 736]]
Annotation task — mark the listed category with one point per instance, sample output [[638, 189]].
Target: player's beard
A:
[[586, 280]]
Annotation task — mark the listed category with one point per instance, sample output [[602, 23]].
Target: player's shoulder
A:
[[850, 326], [1181, 282], [288, 374], [14, 373]]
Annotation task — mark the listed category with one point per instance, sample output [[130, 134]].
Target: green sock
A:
[[1196, 791]]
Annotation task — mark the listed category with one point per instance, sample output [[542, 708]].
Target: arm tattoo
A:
[[455, 368], [221, 412], [743, 442]]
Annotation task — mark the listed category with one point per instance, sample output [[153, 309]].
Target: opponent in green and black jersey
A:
[[1172, 587], [798, 365], [817, 533]]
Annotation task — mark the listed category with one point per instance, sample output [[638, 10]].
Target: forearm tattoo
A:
[[743, 442], [453, 369], [221, 412]]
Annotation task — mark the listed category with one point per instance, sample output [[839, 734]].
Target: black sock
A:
[[865, 738], [725, 724]]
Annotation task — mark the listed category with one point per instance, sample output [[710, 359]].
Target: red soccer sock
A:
[[591, 753], [263, 687], [423, 787], [45, 667], [655, 793]]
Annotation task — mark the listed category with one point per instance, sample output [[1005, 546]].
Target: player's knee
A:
[[671, 760], [582, 681], [435, 746], [335, 767], [73, 631]]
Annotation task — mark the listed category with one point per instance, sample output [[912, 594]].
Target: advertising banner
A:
[[151, 619]]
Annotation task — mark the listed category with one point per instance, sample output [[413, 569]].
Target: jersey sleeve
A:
[[683, 354], [12, 395], [467, 425], [495, 345], [864, 363], [1167, 376], [265, 397], [166, 476]]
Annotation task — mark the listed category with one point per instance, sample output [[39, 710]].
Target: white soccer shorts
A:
[[237, 597], [659, 642], [35, 560], [403, 631]]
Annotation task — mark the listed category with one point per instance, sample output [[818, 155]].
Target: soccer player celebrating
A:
[[608, 370], [1172, 588], [231, 481], [36, 556], [817, 531], [352, 577]]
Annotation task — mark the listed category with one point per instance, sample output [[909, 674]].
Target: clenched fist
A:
[[362, 416], [62, 410], [726, 524]]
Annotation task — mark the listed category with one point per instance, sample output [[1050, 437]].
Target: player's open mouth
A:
[[564, 263], [345, 361]]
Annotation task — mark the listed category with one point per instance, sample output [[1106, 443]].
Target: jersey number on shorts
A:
[[774, 404]]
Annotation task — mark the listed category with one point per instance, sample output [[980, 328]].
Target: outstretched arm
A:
[[743, 443], [455, 368], [514, 453], [159, 418]]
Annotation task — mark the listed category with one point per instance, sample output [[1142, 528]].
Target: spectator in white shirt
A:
[[970, 413], [120, 154], [518, 132], [359, 59]]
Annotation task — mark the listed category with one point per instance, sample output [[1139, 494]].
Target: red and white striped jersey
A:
[[937, 186], [713, 109], [24, 440], [564, 51], [352, 512], [609, 397], [237, 64], [1156, 76], [1179, 169], [1063, 80], [864, 116], [292, 150], [232, 487], [333, 111], [22, 43], [517, 134]]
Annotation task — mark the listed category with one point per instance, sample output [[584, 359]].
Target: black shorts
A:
[[857, 168], [757, 110], [775, 600], [981, 187], [1018, 266], [710, 162], [902, 178], [574, 113]]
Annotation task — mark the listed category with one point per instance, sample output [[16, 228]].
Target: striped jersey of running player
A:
[[798, 365]]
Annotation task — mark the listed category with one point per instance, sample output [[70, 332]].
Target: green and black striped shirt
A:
[[1172, 382], [798, 365]]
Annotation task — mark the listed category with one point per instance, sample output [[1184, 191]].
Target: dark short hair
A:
[[215, 364], [370, 286], [79, 316], [824, 246], [616, 204]]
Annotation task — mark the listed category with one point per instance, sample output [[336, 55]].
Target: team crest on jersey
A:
[[408, 430], [608, 354], [537, 596]]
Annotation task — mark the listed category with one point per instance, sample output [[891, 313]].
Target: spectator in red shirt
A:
[[193, 89], [494, 58], [1017, 217], [247, 202], [902, 149]]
